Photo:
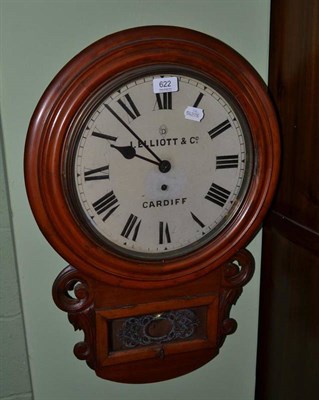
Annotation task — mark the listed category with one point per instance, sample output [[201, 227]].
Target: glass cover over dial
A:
[[159, 166]]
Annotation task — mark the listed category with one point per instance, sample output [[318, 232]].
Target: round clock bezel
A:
[[118, 55], [74, 134]]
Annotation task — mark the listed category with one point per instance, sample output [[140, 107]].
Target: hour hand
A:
[[129, 152]]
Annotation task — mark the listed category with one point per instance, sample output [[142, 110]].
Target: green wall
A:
[[37, 39], [13, 350]]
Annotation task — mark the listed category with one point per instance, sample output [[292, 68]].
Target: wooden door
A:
[[288, 351]]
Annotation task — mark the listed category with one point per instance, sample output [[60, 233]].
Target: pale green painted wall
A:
[[13, 350], [37, 39]]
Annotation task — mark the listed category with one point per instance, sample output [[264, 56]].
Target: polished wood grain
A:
[[288, 350], [95, 307], [294, 84]]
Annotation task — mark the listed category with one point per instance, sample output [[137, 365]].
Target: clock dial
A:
[[157, 175]]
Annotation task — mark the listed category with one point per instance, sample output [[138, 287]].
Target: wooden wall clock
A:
[[150, 162]]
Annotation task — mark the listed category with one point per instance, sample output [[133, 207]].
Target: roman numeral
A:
[[197, 220], [198, 100], [222, 127], [132, 226], [105, 205], [128, 106], [164, 235], [217, 195], [97, 174], [104, 136], [223, 162], [163, 101]]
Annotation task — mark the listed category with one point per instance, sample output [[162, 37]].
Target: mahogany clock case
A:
[[183, 318], [109, 62]]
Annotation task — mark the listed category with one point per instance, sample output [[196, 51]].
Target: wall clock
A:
[[150, 162]]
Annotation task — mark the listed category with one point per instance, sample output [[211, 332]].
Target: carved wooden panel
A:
[[152, 328]]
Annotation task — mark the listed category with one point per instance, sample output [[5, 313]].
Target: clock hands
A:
[[132, 132], [129, 152]]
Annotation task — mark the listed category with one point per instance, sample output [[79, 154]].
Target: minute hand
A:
[[132, 132]]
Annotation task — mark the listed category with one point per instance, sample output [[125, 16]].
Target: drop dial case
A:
[[150, 162]]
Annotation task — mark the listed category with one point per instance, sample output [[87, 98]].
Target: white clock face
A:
[[160, 166]]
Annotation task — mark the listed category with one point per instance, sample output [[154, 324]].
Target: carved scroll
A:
[[72, 294], [235, 274]]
